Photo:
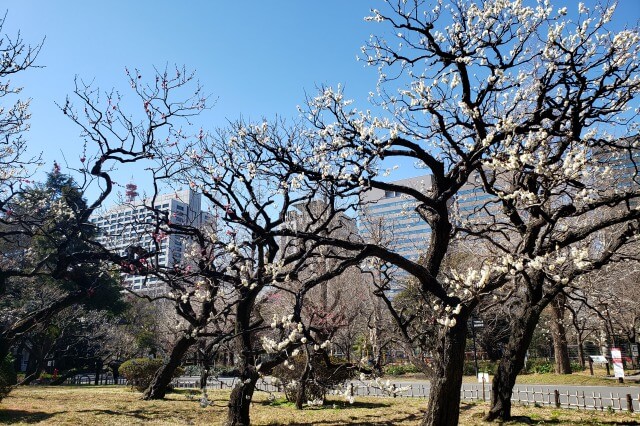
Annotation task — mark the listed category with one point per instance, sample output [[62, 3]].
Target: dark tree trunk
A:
[[5, 345], [204, 376], [512, 361], [242, 393], [115, 371], [98, 371], [35, 366], [204, 360], [161, 380], [303, 384], [241, 397], [444, 397], [581, 358], [559, 335]]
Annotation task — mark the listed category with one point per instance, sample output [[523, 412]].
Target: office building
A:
[[389, 218], [131, 224]]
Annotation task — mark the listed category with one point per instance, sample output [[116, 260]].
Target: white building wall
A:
[[132, 224]]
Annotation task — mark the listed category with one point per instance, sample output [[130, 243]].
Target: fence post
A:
[[590, 365], [629, 403], [556, 396]]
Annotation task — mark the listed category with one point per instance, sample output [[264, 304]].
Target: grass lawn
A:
[[580, 378], [116, 405]]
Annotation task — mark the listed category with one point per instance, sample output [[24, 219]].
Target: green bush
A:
[[8, 377], [539, 366], [140, 371], [400, 369], [575, 366], [483, 367]]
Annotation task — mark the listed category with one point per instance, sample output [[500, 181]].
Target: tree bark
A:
[[98, 371], [444, 397], [512, 362], [161, 380], [242, 393], [204, 376], [241, 397], [581, 357], [303, 383], [559, 335], [115, 370]]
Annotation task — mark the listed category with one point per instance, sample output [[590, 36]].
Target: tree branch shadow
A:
[[21, 416]]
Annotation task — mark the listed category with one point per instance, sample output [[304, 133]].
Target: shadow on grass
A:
[[15, 416], [466, 406], [137, 414]]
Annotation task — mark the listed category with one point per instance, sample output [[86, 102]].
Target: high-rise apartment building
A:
[[132, 225]]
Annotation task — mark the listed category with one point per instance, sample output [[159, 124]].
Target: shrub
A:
[[140, 371], [8, 377], [575, 366], [539, 366], [483, 367], [322, 378], [400, 369]]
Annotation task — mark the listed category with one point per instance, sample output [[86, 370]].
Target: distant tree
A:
[[49, 235]]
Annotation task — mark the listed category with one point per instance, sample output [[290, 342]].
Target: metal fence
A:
[[535, 395], [224, 383], [87, 379], [538, 395]]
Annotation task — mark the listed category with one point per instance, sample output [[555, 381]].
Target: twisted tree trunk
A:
[[241, 396], [302, 387], [512, 361], [161, 380], [444, 397], [242, 393]]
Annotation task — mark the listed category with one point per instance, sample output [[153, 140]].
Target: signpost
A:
[[483, 378], [635, 353], [618, 367]]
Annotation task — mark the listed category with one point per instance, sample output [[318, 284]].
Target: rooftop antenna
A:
[[131, 192]]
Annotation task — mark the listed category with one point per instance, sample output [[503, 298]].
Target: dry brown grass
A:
[[111, 405]]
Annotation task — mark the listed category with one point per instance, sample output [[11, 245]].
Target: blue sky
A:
[[257, 58]]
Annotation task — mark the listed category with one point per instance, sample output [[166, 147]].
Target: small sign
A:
[[483, 377], [598, 358], [618, 367], [634, 350]]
